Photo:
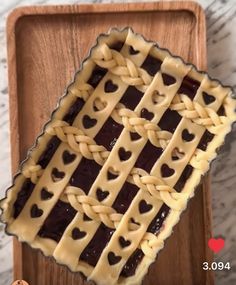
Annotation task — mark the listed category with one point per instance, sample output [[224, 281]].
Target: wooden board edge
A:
[[208, 225], [22, 11], [17, 260], [14, 125]]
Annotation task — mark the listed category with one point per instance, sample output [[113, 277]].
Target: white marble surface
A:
[[221, 43]]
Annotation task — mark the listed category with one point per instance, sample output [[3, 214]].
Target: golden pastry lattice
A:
[[124, 69]]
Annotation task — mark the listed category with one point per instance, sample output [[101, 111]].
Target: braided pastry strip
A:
[[200, 159], [88, 148], [94, 209], [32, 170], [123, 67], [78, 141], [150, 242], [105, 214], [81, 89], [158, 189], [143, 127], [200, 115]]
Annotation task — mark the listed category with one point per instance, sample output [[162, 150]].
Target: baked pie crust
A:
[[121, 156]]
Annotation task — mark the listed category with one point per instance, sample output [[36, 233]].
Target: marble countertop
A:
[[221, 43]]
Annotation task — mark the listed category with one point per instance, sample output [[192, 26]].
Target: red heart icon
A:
[[216, 245]]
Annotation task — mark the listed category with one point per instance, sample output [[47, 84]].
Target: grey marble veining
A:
[[221, 40], [221, 45]]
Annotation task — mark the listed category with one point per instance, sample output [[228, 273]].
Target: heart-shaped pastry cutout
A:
[[144, 207], [133, 225], [88, 122], [177, 154], [187, 136], [168, 79], [123, 242], [134, 136], [132, 220], [157, 98], [166, 171], [133, 51], [110, 86], [99, 105], [208, 99], [101, 195], [68, 157], [112, 258], [57, 175], [77, 234], [146, 114], [112, 173], [35, 211], [45, 195], [124, 154]]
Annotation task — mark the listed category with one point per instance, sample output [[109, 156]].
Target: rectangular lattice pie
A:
[[118, 161]]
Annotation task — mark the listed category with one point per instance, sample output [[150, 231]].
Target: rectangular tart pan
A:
[[45, 48]]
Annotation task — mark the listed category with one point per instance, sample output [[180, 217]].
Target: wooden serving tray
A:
[[45, 48]]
